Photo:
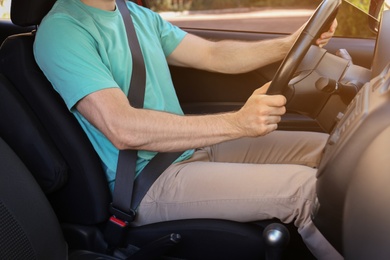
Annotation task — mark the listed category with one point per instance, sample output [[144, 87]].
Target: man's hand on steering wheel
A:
[[326, 36]]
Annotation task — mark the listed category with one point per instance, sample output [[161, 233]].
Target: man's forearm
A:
[[229, 56], [160, 131], [142, 129], [239, 57]]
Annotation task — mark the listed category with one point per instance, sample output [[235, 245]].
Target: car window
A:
[[266, 16], [5, 6]]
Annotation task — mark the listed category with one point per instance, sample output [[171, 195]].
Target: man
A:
[[234, 165]]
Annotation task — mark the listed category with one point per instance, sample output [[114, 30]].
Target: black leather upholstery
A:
[[23, 131], [85, 198], [29, 228]]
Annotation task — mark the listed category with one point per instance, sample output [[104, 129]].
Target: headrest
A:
[[28, 12]]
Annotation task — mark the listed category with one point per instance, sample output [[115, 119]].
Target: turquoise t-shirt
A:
[[82, 49]]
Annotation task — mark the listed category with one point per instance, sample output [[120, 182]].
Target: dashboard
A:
[[351, 209]]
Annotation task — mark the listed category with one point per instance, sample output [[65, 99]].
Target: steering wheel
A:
[[319, 22]]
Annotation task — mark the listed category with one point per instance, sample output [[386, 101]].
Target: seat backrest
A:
[[24, 133], [85, 197], [28, 226]]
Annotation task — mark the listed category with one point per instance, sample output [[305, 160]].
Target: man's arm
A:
[[130, 128], [230, 56]]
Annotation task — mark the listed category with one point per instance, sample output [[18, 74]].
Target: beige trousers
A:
[[245, 180]]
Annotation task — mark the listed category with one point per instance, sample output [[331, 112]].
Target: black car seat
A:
[[73, 179], [23, 131], [29, 228]]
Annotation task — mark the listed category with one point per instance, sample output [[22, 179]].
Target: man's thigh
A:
[[279, 147], [235, 191]]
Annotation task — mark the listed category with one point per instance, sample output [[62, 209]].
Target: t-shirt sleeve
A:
[[74, 68], [170, 35]]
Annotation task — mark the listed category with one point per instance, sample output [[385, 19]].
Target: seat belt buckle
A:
[[118, 226], [128, 216], [115, 232], [118, 222]]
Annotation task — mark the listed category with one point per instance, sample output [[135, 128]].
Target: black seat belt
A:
[[129, 191]]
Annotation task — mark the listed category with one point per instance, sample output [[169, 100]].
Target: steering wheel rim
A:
[[319, 22]]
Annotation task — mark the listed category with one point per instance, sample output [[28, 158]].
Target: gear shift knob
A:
[[276, 237]]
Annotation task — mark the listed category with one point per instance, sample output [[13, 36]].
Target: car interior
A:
[[54, 198]]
